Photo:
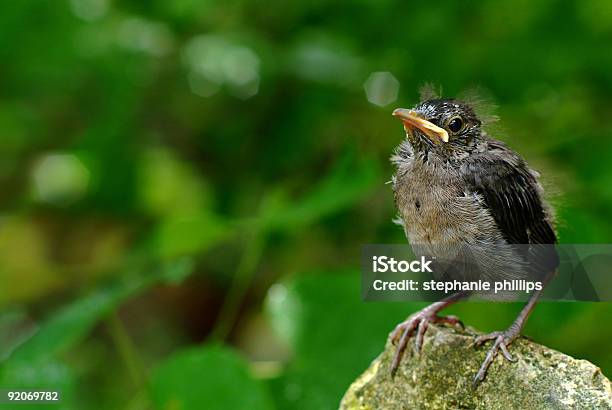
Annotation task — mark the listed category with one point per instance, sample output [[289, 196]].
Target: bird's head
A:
[[446, 127]]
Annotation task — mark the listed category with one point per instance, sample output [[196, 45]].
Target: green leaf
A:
[[346, 183], [72, 323], [334, 335], [209, 377], [15, 328], [188, 234]]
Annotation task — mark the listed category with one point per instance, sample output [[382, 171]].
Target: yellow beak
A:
[[412, 120]]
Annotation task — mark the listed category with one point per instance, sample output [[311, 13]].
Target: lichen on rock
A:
[[440, 377]]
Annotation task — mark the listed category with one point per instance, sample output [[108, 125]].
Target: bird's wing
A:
[[512, 194]]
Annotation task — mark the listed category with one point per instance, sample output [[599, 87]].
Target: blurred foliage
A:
[[329, 350], [186, 184], [207, 378]]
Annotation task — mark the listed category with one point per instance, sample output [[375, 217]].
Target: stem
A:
[[127, 350], [240, 285]]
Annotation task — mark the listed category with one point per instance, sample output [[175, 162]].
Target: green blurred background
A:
[[186, 184]]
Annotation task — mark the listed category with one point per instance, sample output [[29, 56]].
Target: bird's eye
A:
[[455, 124]]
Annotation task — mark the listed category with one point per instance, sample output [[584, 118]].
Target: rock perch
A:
[[440, 377]]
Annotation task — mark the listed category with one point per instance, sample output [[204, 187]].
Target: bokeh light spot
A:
[[89, 10], [146, 36], [213, 61], [325, 60], [60, 179], [381, 88], [277, 293]]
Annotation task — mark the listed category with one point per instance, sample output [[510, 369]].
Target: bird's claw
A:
[[501, 341], [420, 322]]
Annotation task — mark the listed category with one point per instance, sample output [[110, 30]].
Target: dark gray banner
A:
[[487, 271]]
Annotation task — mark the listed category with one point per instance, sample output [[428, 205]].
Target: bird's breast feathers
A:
[[436, 208]]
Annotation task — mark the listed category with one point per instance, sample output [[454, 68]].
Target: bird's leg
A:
[[502, 339], [419, 322]]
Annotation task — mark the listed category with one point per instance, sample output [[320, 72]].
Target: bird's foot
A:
[[418, 322], [501, 341]]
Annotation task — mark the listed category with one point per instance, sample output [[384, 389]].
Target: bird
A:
[[456, 185]]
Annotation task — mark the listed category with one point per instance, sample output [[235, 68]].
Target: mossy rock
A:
[[440, 377]]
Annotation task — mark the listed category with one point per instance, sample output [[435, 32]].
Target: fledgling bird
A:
[[456, 185]]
